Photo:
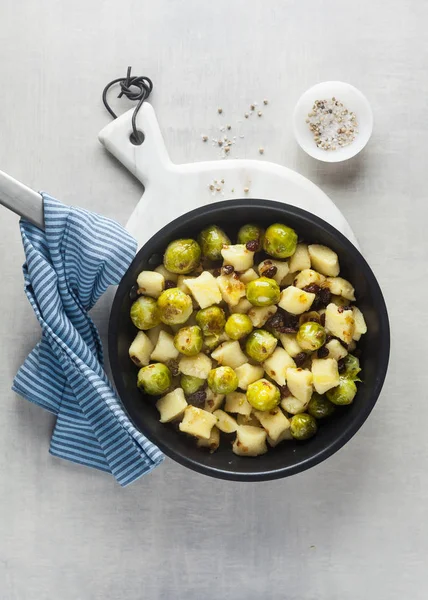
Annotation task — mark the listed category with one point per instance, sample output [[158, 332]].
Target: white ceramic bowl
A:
[[353, 100]]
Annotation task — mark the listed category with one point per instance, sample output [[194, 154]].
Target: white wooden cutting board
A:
[[171, 190]]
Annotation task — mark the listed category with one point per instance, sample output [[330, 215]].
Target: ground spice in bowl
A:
[[332, 124]]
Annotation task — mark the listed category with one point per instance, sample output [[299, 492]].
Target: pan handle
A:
[[21, 200]]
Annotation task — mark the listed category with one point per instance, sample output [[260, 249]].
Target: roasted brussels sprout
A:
[[280, 241], [351, 368], [222, 380], [344, 393], [190, 384], [154, 379], [251, 233], [174, 306], [263, 292], [182, 256], [320, 406], [260, 345], [238, 326], [144, 313], [189, 340], [211, 320], [311, 336], [303, 426], [211, 241], [263, 395]]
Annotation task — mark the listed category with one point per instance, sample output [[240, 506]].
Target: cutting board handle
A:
[[146, 161]]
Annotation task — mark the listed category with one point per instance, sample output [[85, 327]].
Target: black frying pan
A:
[[289, 457]]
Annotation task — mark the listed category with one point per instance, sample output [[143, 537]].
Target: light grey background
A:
[[353, 527]]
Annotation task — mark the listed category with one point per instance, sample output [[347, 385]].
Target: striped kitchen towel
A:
[[68, 267]]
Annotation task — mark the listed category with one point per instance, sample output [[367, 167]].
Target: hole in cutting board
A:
[[137, 141]]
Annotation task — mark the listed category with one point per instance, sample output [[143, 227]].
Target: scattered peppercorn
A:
[[261, 150], [246, 189], [219, 110]]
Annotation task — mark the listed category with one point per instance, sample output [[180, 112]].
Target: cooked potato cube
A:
[[154, 333], [299, 382], [225, 422], [242, 307], [260, 314], [165, 349], [295, 301], [325, 374], [285, 436], [248, 420], [340, 287], [140, 349], [197, 422], [182, 285], [250, 441], [212, 443], [232, 289], [195, 366], [360, 323], [150, 283], [324, 260], [307, 277], [289, 342], [167, 275], [300, 259], [213, 401], [293, 406], [339, 301], [277, 364], [171, 406], [281, 269], [339, 322], [237, 403], [204, 289], [229, 354], [248, 374], [238, 256], [248, 275], [274, 422], [288, 280], [336, 350]]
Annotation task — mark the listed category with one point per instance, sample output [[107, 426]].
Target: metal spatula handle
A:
[[22, 200]]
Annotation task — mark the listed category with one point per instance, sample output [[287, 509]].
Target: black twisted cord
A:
[[134, 88]]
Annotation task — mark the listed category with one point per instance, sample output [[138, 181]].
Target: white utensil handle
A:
[[21, 200]]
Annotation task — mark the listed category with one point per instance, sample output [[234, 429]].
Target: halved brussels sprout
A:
[[352, 367], [251, 233], [280, 241], [174, 306], [260, 345], [263, 292], [211, 240], [144, 313], [344, 393], [222, 380], [303, 426], [238, 326], [154, 379], [211, 320], [263, 395], [182, 256], [189, 340], [311, 336], [320, 406], [190, 384]]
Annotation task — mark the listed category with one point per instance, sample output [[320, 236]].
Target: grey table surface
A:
[[355, 526]]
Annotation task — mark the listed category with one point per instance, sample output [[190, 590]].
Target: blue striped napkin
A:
[[68, 267]]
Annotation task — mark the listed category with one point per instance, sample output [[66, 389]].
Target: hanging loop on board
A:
[[134, 88]]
